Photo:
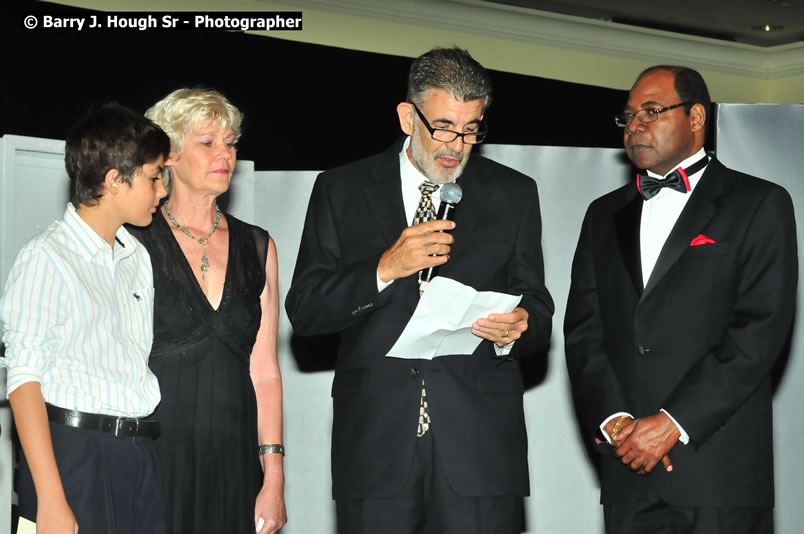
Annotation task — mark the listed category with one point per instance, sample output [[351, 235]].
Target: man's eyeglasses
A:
[[644, 115], [447, 136]]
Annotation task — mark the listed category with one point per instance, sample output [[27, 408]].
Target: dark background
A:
[[306, 106]]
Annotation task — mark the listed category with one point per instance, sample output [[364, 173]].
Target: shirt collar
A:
[[684, 163], [90, 244]]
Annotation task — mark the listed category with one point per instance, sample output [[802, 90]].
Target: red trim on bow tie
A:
[[686, 179]]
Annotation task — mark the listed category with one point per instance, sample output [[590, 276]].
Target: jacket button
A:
[[641, 350], [414, 372]]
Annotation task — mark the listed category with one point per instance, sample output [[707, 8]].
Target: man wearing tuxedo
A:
[[425, 446], [682, 297]]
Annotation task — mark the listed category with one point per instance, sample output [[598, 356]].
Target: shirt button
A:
[[124, 306], [414, 372]]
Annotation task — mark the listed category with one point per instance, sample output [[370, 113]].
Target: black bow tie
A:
[[677, 180]]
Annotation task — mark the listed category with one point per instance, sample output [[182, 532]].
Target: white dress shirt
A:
[[78, 318], [411, 179], [659, 215]]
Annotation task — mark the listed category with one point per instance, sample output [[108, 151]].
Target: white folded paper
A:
[[26, 527], [442, 322]]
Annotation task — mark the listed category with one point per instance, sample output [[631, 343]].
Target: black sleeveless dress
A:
[[208, 413]]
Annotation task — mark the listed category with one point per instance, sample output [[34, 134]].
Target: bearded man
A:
[[425, 446]]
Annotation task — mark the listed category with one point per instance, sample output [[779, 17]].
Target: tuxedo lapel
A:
[[626, 222], [383, 194], [700, 208]]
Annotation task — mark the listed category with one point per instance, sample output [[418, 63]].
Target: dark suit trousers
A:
[[113, 485], [648, 514], [429, 505]]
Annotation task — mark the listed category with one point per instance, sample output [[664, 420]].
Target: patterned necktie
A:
[[424, 212], [424, 415]]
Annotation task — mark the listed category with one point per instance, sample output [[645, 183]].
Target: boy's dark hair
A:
[[109, 137]]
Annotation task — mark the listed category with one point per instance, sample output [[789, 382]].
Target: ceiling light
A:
[[767, 28]]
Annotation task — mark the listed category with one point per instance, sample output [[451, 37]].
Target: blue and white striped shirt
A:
[[78, 318]]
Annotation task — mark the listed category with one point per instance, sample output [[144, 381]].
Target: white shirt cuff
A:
[[609, 418], [684, 437], [380, 284], [18, 376], [505, 350]]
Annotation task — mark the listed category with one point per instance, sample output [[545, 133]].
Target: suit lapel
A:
[[700, 208], [384, 195], [626, 222], [467, 213]]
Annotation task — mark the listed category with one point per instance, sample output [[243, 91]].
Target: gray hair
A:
[[452, 70]]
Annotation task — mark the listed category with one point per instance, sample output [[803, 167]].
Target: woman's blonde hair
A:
[[192, 107]]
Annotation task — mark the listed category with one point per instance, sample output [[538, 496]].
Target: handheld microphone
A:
[[450, 195]]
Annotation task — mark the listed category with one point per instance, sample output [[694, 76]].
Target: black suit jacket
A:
[[698, 341], [475, 401]]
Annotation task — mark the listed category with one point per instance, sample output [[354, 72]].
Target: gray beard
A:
[[427, 165]]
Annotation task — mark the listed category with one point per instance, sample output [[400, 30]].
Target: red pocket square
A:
[[701, 240]]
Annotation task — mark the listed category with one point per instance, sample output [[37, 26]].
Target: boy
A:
[[77, 319]]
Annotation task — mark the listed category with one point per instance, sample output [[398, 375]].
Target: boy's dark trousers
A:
[[113, 485]]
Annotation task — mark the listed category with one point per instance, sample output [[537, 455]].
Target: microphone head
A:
[[451, 192]]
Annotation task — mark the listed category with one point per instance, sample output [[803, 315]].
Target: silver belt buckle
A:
[[122, 420]]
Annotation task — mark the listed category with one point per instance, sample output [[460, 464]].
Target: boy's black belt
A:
[[121, 427]]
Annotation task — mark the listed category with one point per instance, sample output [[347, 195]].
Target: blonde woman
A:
[[214, 350]]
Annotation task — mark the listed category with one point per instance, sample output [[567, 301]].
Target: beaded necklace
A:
[[203, 241]]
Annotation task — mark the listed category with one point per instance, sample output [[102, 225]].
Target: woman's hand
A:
[[270, 507]]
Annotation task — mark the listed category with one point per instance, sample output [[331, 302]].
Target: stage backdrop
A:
[[762, 140]]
